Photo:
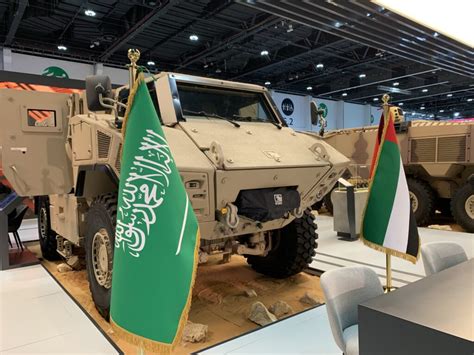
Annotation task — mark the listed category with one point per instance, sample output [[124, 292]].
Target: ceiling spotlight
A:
[[396, 83], [344, 94], [193, 37], [267, 83], [431, 116], [62, 47], [424, 90], [376, 99], [456, 114], [436, 34], [400, 104], [90, 13], [413, 113], [422, 107], [150, 63], [441, 111], [309, 88], [320, 65], [362, 76], [218, 70], [469, 100], [449, 95], [264, 52], [290, 28], [368, 14], [338, 24]]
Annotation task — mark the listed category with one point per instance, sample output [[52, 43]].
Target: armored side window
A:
[[41, 118]]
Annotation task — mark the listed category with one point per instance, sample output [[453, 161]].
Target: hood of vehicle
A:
[[256, 145]]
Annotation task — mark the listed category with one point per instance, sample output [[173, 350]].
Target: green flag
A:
[[157, 234]]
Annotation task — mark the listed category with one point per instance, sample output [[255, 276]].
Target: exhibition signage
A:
[[388, 223], [157, 234]]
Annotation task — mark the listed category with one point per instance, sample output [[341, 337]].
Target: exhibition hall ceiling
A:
[[336, 49]]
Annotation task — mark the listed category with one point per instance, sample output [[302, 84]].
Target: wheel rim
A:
[[413, 201], [469, 206], [43, 223], [102, 258]]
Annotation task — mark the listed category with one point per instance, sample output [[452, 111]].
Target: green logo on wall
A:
[[372, 118], [56, 72], [324, 108]]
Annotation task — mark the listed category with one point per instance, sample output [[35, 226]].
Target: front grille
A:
[[423, 150], [103, 145], [452, 149]]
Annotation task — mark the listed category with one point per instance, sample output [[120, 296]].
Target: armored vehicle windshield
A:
[[199, 101]]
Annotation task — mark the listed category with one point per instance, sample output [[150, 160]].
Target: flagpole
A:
[[388, 268], [388, 260]]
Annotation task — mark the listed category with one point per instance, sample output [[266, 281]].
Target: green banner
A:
[[157, 234]]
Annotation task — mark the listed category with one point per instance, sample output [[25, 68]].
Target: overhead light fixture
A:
[[376, 99], [90, 13], [449, 95], [338, 24], [431, 116], [434, 16], [401, 104], [218, 70], [469, 100], [456, 114], [422, 107], [413, 113], [436, 34], [150, 63], [309, 88], [368, 14], [396, 83], [267, 83], [320, 66], [264, 52], [424, 90], [441, 111], [62, 47], [362, 76], [193, 37], [344, 94]]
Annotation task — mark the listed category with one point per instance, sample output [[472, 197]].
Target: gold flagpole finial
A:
[[385, 99], [134, 56]]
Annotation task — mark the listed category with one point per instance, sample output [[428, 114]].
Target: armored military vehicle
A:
[[250, 178], [437, 158]]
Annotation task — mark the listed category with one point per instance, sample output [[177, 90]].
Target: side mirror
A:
[[98, 87], [314, 113]]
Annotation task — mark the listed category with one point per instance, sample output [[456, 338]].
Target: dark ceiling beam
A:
[[219, 6], [78, 11], [20, 11], [378, 82], [228, 41], [295, 57], [138, 28], [295, 12]]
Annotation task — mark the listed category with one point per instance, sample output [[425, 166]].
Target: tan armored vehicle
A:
[[438, 161], [250, 179]]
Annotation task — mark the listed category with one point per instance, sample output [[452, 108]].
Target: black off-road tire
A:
[[101, 220], [462, 200], [47, 237], [425, 198], [292, 251]]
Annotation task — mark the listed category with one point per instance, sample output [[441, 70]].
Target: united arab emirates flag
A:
[[388, 223], [157, 235]]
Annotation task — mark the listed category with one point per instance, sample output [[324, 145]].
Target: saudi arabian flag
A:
[[157, 235], [389, 224]]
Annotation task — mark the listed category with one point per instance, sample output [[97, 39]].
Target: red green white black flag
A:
[[389, 224]]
